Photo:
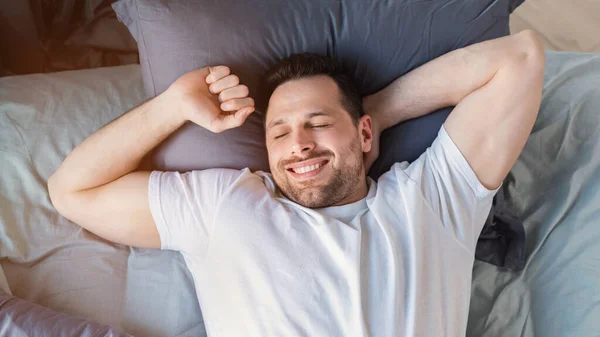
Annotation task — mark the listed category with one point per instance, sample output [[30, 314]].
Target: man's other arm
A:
[[496, 88], [96, 186]]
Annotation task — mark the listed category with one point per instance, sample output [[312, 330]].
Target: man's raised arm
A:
[[96, 187], [496, 87]]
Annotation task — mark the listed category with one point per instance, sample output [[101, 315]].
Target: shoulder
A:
[[231, 177], [395, 176], [217, 178]]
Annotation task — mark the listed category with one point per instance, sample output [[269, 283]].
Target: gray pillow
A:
[[377, 40], [20, 318]]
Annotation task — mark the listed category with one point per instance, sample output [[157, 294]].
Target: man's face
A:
[[315, 150]]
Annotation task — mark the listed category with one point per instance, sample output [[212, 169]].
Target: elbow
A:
[[57, 197], [530, 52]]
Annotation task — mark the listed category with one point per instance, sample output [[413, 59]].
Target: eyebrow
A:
[[309, 115]]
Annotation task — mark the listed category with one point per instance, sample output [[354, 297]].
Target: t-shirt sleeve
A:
[[183, 206], [451, 188]]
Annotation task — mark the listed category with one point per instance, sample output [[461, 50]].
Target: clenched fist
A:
[[213, 98]]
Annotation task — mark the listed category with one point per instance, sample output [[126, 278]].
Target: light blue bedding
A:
[[554, 187]]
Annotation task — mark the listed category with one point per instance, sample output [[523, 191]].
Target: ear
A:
[[365, 128]]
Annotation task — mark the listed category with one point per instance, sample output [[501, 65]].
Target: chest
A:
[[279, 262], [289, 247]]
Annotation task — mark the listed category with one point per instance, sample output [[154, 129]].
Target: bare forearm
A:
[[117, 149], [442, 82]]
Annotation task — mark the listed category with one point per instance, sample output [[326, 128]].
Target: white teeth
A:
[[305, 169]]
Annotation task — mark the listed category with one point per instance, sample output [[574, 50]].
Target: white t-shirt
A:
[[396, 263]]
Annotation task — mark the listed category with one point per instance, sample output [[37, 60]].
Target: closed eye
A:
[[315, 126]]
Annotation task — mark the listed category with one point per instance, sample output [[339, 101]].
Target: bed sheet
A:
[[555, 188], [53, 262]]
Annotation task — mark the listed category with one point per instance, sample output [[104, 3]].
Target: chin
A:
[[311, 197], [323, 190], [311, 203]]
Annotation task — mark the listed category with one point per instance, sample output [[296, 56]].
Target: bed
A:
[[51, 261], [554, 187]]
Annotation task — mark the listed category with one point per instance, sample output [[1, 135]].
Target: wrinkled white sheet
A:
[[53, 262]]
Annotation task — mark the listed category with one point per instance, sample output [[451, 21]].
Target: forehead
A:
[[304, 97]]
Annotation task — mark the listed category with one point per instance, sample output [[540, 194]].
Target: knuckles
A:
[[244, 89]]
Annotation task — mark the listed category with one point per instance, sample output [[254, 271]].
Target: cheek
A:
[[336, 141], [274, 155], [330, 140]]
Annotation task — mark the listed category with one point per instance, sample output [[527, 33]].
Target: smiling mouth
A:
[[307, 171]]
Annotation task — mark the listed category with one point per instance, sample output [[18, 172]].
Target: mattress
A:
[[554, 187]]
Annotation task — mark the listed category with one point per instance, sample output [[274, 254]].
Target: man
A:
[[316, 248]]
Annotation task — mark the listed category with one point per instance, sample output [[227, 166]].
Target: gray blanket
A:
[[554, 187]]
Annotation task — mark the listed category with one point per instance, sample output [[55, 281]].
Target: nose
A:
[[302, 142]]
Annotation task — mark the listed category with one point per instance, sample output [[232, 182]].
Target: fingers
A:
[[237, 119], [226, 82], [216, 73], [237, 104], [233, 97], [239, 91]]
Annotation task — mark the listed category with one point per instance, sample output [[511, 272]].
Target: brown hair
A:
[[297, 66]]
